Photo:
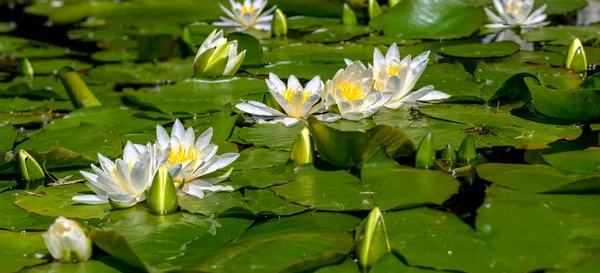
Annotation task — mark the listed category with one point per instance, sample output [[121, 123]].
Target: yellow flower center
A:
[[247, 9], [394, 69], [512, 8], [351, 91], [182, 154], [290, 93]]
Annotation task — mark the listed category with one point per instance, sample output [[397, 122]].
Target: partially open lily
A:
[[516, 13], [296, 101], [399, 76], [122, 183], [352, 90], [67, 241], [248, 15], [190, 159], [217, 57]]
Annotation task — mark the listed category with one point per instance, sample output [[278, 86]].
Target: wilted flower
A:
[[247, 15], [188, 161], [67, 242], [124, 182], [352, 90], [400, 76], [217, 57], [516, 13], [296, 101]]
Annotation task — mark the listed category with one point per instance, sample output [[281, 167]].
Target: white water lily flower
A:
[[399, 76], [296, 101], [189, 161], [123, 182], [67, 242], [248, 15], [217, 57], [352, 90], [516, 13]]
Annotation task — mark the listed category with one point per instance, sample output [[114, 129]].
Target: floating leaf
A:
[[497, 49]]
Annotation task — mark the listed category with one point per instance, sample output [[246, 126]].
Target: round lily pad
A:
[[563, 103], [497, 49]]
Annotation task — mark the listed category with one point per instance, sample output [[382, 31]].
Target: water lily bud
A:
[[348, 15], [279, 23], [25, 68], [217, 57], [392, 3], [425, 157], [449, 154], [67, 241], [372, 240], [81, 96], [30, 169], [162, 197], [303, 151], [374, 9], [576, 59], [467, 151]]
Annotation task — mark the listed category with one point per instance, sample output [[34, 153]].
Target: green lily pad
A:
[[563, 35], [56, 201], [108, 56], [252, 202], [592, 53], [299, 70], [274, 136], [301, 22], [542, 57], [16, 219], [247, 42], [40, 52], [50, 66], [261, 178], [115, 119], [149, 73], [387, 40], [19, 105], [336, 33], [7, 136], [7, 27], [559, 6], [347, 266], [497, 49], [390, 263], [564, 104], [88, 266], [341, 145], [319, 53], [331, 8], [526, 178], [585, 162], [260, 158], [454, 80], [7, 184], [436, 20], [21, 250], [195, 96]]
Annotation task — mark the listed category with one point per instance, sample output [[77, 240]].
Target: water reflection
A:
[[508, 35], [590, 14]]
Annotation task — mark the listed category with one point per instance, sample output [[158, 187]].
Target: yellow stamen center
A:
[[394, 69], [290, 93], [351, 91], [512, 8], [247, 9], [182, 154]]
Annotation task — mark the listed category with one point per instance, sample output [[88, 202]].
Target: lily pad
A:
[[336, 33], [7, 27], [149, 73], [563, 35], [584, 162], [7, 137], [56, 201], [526, 178], [436, 20], [50, 66], [497, 49], [299, 70], [261, 178], [274, 136], [252, 202], [16, 219], [108, 56], [564, 103], [21, 250], [260, 158]]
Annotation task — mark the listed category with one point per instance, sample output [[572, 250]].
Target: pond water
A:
[[300, 136]]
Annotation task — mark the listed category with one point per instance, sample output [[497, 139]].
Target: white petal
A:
[[259, 109], [204, 139], [328, 117], [162, 137], [91, 199], [178, 129]]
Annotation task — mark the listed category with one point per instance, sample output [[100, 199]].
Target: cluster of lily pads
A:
[[180, 164]]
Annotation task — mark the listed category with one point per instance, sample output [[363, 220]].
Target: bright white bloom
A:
[[352, 90], [188, 161], [125, 181], [217, 57], [516, 13], [247, 15], [297, 102], [67, 242], [399, 76]]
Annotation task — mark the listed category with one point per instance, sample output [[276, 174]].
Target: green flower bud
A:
[[467, 152], [348, 16], [303, 150], [425, 157], [25, 68], [392, 3], [67, 241], [449, 154], [279, 23], [576, 59], [372, 240], [374, 9], [29, 167], [162, 196], [81, 96]]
